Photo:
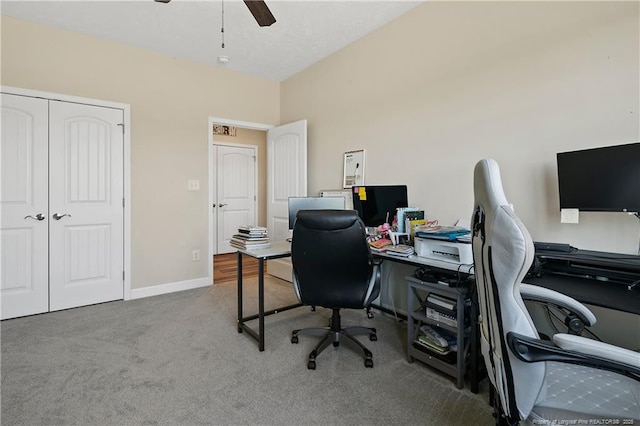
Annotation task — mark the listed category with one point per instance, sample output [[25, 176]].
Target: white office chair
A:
[[571, 379]]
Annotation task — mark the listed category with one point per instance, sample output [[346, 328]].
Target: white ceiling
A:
[[304, 32]]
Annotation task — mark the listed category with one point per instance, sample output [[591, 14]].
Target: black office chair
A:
[[333, 268], [571, 379]]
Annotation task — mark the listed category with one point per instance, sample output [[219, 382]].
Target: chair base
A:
[[332, 334]]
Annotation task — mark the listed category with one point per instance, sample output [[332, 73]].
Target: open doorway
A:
[[245, 178], [282, 172]]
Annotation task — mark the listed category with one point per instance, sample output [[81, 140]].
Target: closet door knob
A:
[[221, 205], [39, 216], [57, 216]]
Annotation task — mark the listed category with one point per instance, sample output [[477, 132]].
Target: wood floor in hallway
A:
[[225, 267]]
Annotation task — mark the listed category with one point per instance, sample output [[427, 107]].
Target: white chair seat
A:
[[572, 392]]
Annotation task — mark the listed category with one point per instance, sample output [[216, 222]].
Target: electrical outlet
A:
[[195, 255]]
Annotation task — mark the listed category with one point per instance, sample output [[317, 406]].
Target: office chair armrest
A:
[[536, 293], [593, 347], [529, 349]]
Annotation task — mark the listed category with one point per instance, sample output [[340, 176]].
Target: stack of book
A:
[[437, 340], [401, 250], [378, 243], [400, 217], [413, 219], [251, 238]]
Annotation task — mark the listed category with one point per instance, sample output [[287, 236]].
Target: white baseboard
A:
[[156, 290]]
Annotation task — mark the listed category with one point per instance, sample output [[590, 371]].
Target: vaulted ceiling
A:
[[304, 32]]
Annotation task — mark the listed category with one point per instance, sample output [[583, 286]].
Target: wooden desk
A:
[[278, 250]]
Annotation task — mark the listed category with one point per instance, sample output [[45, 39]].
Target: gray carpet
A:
[[177, 359]]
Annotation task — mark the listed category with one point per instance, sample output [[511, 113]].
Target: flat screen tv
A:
[[312, 203], [377, 204], [603, 179]]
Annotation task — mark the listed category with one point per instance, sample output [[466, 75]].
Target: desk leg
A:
[[261, 303], [474, 342], [239, 274], [461, 355]]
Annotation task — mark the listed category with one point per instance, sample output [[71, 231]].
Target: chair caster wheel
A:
[[294, 339], [368, 363], [373, 337], [369, 315], [336, 344], [311, 365]]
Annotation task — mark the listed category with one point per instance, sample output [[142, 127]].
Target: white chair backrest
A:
[[503, 252]]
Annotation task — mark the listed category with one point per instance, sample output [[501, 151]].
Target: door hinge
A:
[[254, 158], [122, 125], [123, 202], [122, 275], [254, 198]]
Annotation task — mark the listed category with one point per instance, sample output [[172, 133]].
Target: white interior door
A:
[[286, 177], [24, 286], [86, 219], [236, 192]]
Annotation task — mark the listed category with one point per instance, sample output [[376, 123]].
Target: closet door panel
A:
[[24, 276], [86, 190]]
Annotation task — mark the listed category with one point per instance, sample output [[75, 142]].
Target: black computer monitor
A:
[[313, 203], [603, 179], [377, 204]]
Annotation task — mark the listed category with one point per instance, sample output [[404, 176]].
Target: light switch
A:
[[193, 185], [569, 216]]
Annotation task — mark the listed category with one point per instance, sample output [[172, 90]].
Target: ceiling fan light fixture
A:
[[223, 59]]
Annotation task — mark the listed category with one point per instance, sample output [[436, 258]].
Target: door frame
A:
[[210, 142], [214, 184], [126, 109]]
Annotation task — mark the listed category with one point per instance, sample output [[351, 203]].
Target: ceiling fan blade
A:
[[261, 12], [162, 1]]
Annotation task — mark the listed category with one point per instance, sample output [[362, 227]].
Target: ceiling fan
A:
[[258, 9]]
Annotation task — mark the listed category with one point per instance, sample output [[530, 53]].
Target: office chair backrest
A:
[[332, 263], [503, 252]]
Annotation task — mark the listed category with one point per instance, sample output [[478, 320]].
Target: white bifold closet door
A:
[[24, 237], [62, 205]]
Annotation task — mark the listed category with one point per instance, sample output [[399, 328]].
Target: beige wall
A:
[[426, 96], [257, 138], [171, 101], [450, 83]]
